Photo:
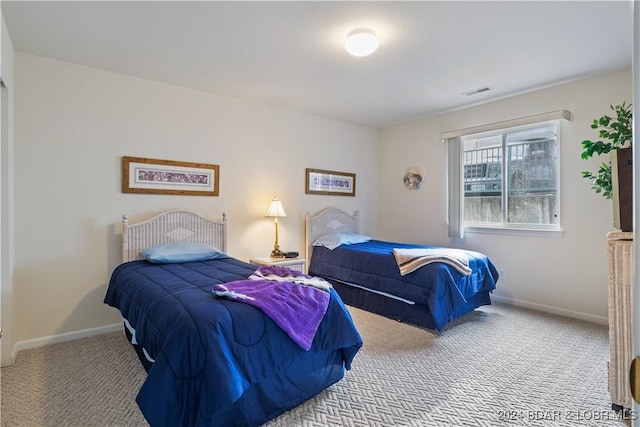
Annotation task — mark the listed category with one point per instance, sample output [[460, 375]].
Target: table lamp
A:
[[276, 211]]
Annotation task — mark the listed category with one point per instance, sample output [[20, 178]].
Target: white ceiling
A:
[[291, 53]]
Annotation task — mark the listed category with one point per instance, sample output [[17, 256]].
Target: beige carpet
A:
[[498, 366]]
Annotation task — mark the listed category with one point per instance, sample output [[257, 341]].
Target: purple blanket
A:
[[297, 309]]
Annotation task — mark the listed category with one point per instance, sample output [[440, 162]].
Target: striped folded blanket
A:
[[411, 259], [284, 274]]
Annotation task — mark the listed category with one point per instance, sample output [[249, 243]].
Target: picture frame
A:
[[155, 176], [333, 183]]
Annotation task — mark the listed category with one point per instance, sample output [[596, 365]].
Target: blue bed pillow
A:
[[333, 240], [181, 252]]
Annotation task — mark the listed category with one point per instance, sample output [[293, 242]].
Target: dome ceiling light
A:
[[361, 42]]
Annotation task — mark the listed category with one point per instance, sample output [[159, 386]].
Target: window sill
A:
[[518, 231]]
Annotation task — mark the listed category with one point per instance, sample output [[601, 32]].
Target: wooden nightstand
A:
[[298, 264]]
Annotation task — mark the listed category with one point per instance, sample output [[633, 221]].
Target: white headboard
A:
[[176, 225], [329, 220]]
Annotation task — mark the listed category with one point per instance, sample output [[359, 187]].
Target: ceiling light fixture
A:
[[361, 42]]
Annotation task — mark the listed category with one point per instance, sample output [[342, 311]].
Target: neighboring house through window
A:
[[505, 176]]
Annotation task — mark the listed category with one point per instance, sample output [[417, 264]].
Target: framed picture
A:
[[330, 182], [153, 176]]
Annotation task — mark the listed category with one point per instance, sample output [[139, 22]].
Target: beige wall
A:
[[566, 275], [6, 200], [74, 123]]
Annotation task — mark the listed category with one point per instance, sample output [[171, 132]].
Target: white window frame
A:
[[455, 191]]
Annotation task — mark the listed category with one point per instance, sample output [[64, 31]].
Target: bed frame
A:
[[307, 376], [329, 220], [177, 225], [332, 220]]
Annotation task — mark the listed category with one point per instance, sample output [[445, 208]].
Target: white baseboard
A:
[[69, 336], [553, 310]]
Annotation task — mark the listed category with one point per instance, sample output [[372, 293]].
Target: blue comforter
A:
[[440, 287], [212, 353]]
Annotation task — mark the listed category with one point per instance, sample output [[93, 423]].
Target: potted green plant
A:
[[614, 178]]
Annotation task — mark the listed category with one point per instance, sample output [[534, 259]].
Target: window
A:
[[510, 177], [505, 176]]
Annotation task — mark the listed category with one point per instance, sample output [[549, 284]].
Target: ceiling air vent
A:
[[475, 91]]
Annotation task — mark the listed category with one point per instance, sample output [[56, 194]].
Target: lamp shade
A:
[[275, 209], [361, 42]]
